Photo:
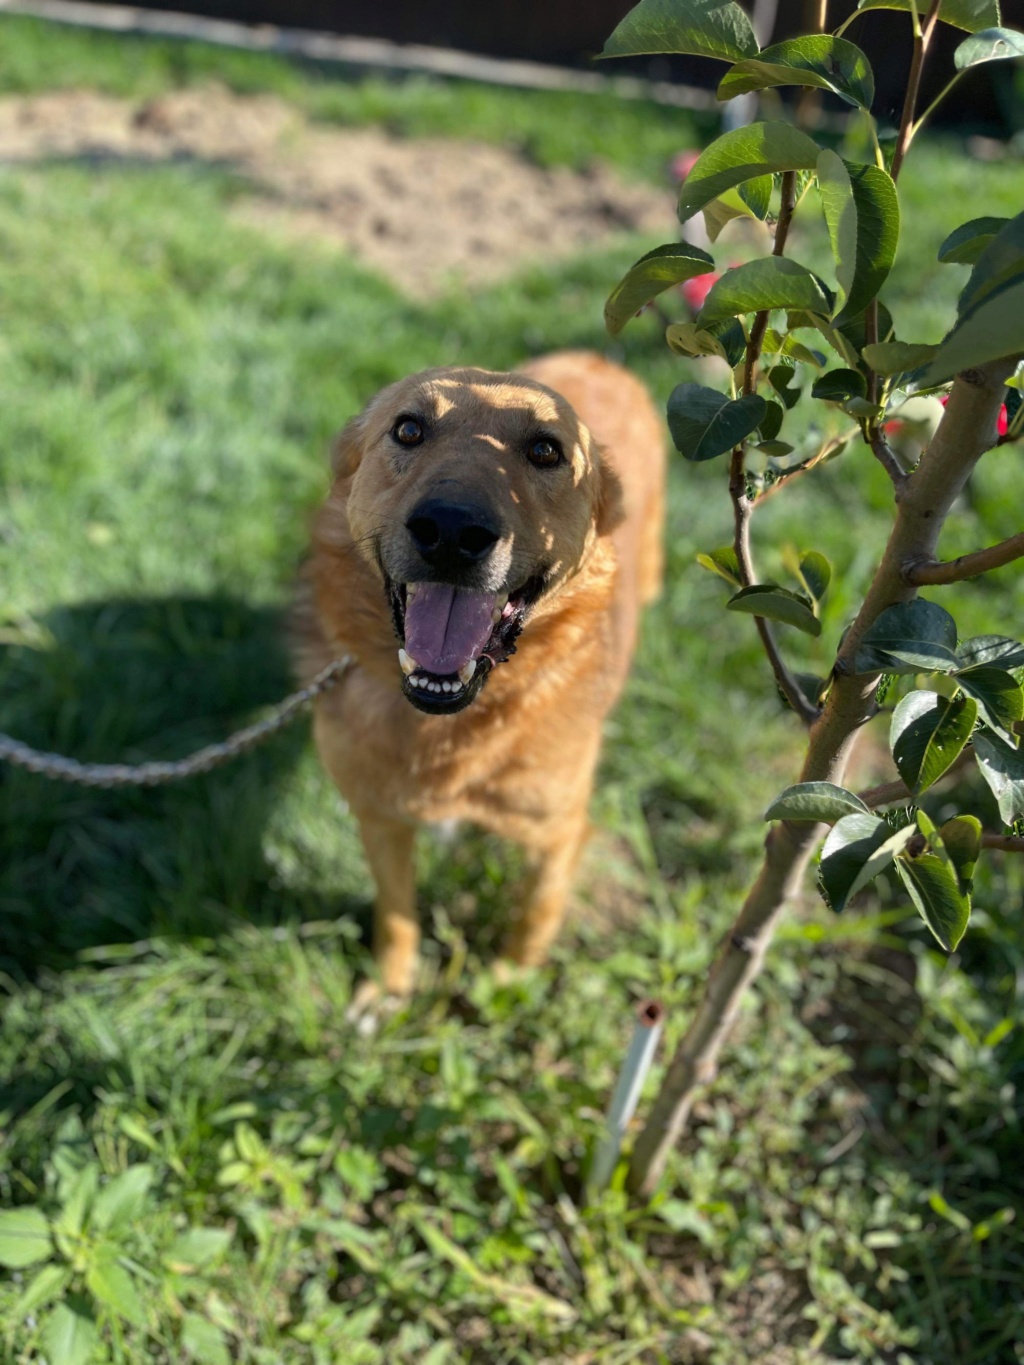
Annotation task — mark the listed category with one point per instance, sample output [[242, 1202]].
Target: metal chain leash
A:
[[62, 769]]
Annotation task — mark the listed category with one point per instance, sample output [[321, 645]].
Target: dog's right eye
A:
[[408, 431]]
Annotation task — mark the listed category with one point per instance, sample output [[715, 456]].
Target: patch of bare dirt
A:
[[425, 212]]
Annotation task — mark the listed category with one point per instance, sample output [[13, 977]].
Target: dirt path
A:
[[423, 212]]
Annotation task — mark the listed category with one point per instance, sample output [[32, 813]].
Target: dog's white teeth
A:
[[407, 663], [455, 686], [411, 589], [496, 616], [446, 687], [466, 672]]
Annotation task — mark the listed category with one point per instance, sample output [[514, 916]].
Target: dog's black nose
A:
[[452, 534]]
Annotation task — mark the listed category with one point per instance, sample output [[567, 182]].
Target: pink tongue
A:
[[445, 627]]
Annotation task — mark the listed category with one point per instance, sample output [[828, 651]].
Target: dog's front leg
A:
[[554, 861], [396, 926]]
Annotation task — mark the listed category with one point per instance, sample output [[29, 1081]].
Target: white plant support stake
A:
[[650, 1020]]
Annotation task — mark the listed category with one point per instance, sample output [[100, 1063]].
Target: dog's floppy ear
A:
[[611, 511], [347, 449]]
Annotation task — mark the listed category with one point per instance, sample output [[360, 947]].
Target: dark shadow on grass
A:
[[126, 681]]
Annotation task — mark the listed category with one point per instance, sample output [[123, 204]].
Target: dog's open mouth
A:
[[452, 637]]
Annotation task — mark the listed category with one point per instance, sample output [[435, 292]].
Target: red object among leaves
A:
[[682, 164], [1002, 421], [695, 291]]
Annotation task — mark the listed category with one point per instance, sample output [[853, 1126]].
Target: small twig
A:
[[1007, 843], [870, 338], [966, 566], [742, 509], [921, 41], [885, 456], [787, 204]]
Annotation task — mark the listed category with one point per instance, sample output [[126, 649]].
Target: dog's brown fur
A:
[[519, 760]]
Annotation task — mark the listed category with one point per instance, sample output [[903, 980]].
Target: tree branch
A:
[[966, 431], [966, 566], [787, 204], [921, 41], [741, 511], [883, 453], [1008, 843], [886, 793], [741, 507]]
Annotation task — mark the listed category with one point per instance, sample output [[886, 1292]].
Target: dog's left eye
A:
[[544, 453], [408, 431]]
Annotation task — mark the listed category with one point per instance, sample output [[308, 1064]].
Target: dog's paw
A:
[[370, 1006]]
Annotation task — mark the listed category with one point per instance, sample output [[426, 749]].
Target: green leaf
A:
[[815, 801], [722, 562], [862, 214], [835, 336], [771, 282], [993, 330], [705, 424], [999, 697], [772, 422], [686, 338], [817, 60], [776, 604], [857, 848], [811, 569], [837, 386], [755, 150], [787, 345], [195, 1249], [991, 308], [121, 1201], [927, 735], [971, 15], [1002, 767], [650, 276], [990, 649], [909, 637], [965, 244], [988, 45], [203, 1341], [70, 1336], [748, 200], [897, 357], [853, 331], [815, 573], [24, 1237], [47, 1284], [935, 890], [961, 838], [999, 264], [732, 337], [699, 28], [780, 378], [111, 1285]]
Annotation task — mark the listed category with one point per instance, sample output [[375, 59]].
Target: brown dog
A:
[[475, 517]]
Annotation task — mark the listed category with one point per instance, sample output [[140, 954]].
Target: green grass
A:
[[177, 964]]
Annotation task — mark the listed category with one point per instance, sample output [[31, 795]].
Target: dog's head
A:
[[475, 496]]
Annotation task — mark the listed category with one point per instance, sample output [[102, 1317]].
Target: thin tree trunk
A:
[[967, 430]]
